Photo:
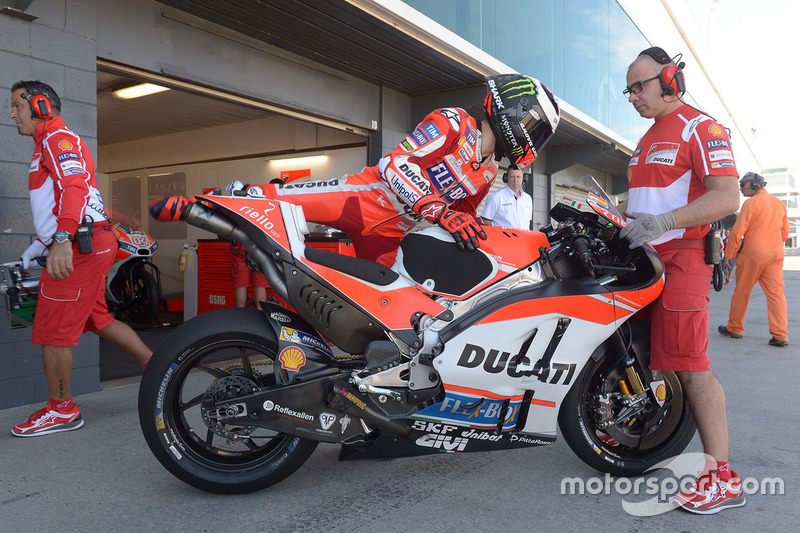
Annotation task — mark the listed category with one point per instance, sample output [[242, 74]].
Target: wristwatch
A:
[[62, 236]]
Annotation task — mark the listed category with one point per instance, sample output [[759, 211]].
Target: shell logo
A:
[[292, 358], [715, 130], [661, 392], [65, 145]]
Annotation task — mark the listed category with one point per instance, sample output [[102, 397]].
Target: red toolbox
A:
[[214, 285]]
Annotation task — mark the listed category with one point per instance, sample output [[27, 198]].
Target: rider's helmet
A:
[[757, 181], [523, 113]]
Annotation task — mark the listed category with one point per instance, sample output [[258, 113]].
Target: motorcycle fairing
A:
[[492, 356], [260, 218]]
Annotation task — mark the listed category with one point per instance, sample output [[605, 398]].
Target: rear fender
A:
[[298, 342]]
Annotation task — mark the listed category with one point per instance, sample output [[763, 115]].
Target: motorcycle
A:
[[133, 285], [448, 351]]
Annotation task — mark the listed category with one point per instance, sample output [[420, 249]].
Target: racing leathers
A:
[[436, 175]]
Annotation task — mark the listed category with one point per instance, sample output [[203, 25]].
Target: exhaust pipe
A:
[[201, 217]]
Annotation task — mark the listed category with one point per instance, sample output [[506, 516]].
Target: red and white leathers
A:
[[440, 161], [62, 184], [668, 171], [763, 224]]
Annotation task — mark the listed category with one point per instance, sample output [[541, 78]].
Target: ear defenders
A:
[[505, 176], [671, 76], [672, 80], [41, 107]]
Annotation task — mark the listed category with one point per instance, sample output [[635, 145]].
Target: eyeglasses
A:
[[637, 86]]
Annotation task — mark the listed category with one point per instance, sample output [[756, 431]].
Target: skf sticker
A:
[[65, 145], [292, 358], [715, 130]]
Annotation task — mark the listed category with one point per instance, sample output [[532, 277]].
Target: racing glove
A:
[[462, 226], [169, 208], [36, 249], [646, 227]]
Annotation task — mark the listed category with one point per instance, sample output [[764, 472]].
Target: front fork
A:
[[632, 395]]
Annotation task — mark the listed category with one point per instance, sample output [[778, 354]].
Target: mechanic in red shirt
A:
[[682, 176], [437, 175], [64, 195]]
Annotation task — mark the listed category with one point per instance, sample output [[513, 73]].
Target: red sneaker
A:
[[710, 494], [44, 422]]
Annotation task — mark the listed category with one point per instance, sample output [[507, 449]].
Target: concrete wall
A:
[[59, 48]]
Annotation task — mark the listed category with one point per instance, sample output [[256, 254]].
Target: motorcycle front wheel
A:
[[632, 446], [222, 354], [142, 295]]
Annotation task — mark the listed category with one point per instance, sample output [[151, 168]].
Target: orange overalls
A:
[[763, 224]]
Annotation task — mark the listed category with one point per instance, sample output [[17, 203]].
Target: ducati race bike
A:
[[133, 285], [447, 351]]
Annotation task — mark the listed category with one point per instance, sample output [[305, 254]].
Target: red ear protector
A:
[[40, 106], [672, 80]]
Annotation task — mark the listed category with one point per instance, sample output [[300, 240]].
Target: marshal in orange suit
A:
[[761, 229]]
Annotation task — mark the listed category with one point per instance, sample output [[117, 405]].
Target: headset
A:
[[41, 107], [505, 174], [757, 182], [671, 76]]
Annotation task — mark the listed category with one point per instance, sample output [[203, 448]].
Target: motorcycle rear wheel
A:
[[641, 442], [223, 353]]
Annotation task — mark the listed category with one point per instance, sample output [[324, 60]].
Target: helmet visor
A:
[[538, 130]]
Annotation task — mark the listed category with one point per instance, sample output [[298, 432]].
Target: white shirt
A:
[[503, 208]]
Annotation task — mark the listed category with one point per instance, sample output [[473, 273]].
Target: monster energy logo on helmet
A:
[[518, 88]]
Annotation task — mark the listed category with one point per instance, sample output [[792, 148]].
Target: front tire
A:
[[228, 352], [142, 295], [641, 442]]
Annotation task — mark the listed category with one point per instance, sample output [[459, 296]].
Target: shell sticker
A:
[[65, 145], [292, 358]]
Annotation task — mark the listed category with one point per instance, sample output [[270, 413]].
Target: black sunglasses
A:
[[637, 86]]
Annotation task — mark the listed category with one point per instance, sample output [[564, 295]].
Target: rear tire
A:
[[225, 352], [648, 439]]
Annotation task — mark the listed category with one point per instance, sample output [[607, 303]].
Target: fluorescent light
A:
[[143, 89], [298, 161]]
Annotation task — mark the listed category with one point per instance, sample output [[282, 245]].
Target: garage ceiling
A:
[[160, 114]]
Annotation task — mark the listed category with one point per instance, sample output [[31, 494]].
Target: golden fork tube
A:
[[623, 386], [633, 377]]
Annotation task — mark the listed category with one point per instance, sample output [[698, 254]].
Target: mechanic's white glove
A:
[[646, 227], [36, 249], [251, 190], [235, 185]]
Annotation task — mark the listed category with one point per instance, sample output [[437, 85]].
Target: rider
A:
[[437, 175]]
